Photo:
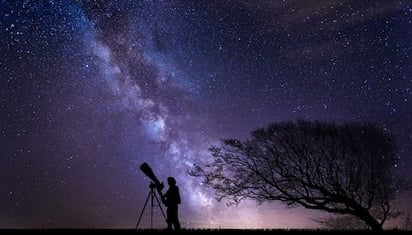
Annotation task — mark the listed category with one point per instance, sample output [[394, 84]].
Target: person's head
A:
[[171, 181]]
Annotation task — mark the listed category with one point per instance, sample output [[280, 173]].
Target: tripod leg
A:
[[141, 214], [160, 206], [151, 210]]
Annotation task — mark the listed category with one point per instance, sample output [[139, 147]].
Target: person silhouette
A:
[[171, 199]]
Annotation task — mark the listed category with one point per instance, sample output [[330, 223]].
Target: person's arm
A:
[[178, 196]]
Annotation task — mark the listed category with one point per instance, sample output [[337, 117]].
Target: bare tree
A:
[[346, 169]]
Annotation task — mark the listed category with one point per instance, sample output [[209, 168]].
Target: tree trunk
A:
[[371, 222], [374, 225]]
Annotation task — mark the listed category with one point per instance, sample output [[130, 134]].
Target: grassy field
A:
[[198, 231]]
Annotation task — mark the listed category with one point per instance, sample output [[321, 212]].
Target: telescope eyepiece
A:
[[158, 187]]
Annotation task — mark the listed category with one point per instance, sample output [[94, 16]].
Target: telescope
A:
[[155, 184], [145, 168]]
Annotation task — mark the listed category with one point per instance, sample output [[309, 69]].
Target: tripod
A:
[[152, 195]]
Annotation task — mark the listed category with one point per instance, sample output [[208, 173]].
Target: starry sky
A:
[[89, 90]]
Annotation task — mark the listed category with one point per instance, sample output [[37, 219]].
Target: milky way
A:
[[92, 89]]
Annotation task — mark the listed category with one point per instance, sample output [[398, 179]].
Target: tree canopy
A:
[[346, 169]]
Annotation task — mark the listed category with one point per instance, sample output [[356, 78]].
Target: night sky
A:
[[89, 90]]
